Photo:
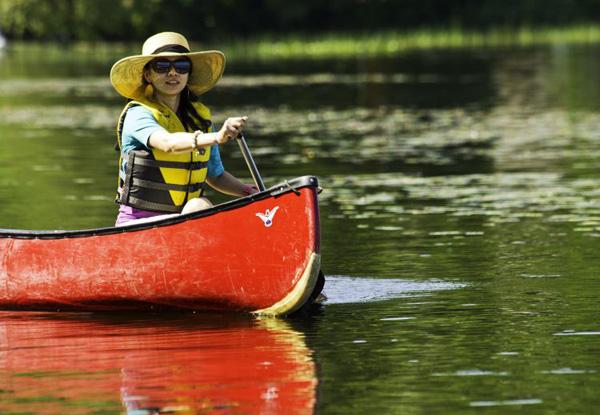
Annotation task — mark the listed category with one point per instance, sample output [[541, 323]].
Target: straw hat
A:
[[207, 66]]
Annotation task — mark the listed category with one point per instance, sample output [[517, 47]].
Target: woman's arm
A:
[[227, 183], [187, 142], [180, 142]]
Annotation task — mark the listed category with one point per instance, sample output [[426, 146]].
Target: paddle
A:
[[250, 162]]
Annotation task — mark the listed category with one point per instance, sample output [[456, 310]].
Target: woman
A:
[[168, 147]]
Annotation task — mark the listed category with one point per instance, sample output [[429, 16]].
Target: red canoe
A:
[[256, 254]]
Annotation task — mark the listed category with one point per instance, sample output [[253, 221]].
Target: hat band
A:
[[171, 48]]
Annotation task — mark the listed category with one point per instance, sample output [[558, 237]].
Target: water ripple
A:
[[506, 403], [344, 289], [577, 333]]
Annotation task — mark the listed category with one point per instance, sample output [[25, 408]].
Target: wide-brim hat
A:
[[126, 75]]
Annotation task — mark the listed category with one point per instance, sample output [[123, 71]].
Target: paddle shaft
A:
[[250, 162]]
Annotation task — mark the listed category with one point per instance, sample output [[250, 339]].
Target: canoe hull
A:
[[227, 259]]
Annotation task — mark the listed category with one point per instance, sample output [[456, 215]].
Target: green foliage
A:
[[91, 20]]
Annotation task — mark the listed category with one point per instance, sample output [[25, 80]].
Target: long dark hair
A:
[[188, 115]]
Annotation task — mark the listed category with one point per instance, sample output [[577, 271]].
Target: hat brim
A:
[[126, 75]]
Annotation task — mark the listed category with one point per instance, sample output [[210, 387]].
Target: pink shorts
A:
[[127, 213]]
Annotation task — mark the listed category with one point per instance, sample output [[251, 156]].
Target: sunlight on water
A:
[[345, 290], [578, 333], [500, 198], [472, 372], [506, 403]]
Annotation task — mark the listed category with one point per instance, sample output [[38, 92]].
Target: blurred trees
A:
[[135, 19]]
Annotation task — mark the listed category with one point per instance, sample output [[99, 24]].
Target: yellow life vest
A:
[[159, 181]]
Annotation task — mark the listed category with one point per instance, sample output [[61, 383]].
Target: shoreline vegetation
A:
[[340, 45], [389, 43]]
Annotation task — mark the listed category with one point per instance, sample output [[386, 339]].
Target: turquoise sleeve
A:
[[138, 126], [215, 165]]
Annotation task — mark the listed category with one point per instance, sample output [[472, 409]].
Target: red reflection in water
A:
[[53, 364]]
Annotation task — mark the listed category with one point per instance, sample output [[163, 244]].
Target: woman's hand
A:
[[232, 127], [249, 189]]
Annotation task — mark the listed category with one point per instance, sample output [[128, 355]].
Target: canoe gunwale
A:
[[288, 186]]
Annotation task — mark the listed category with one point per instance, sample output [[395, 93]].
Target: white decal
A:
[[267, 217]]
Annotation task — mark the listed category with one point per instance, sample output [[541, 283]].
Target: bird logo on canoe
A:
[[267, 217]]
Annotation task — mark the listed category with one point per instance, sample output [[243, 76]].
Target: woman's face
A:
[[168, 75]]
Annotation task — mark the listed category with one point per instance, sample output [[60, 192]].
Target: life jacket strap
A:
[[157, 207], [148, 184], [194, 165]]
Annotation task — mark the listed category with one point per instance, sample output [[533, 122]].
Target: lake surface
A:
[[460, 230]]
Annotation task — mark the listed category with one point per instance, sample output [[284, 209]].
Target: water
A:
[[460, 225]]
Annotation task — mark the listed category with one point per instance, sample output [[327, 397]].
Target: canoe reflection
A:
[[53, 364]]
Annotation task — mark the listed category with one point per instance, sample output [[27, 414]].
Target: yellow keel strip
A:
[[299, 294]]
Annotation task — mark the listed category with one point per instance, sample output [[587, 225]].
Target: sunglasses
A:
[[182, 66]]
